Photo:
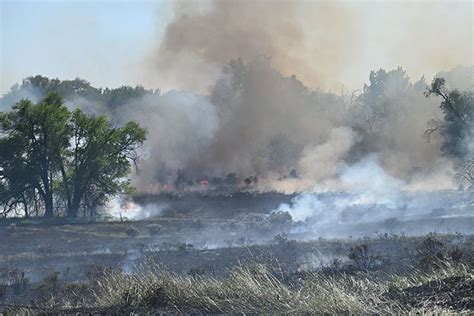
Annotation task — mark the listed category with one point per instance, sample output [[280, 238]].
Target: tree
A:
[[458, 120], [42, 133], [380, 100], [97, 160], [69, 157], [456, 128], [16, 179]]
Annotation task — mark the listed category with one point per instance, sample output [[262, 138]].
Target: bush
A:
[[456, 254], [362, 259], [3, 289], [184, 247], [154, 229], [132, 231], [18, 281], [77, 294], [391, 223], [196, 271], [48, 288], [431, 252]]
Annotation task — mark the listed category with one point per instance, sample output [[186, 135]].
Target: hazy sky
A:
[[101, 41], [111, 43]]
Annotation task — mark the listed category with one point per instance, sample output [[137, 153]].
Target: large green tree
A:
[[74, 159], [97, 160], [42, 130], [17, 180]]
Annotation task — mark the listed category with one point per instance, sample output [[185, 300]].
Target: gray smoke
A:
[[259, 123], [181, 126]]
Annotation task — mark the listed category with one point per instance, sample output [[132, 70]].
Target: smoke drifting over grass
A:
[[368, 200], [363, 184]]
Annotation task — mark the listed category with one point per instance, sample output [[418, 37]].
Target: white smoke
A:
[[321, 162], [364, 184], [370, 184], [120, 208]]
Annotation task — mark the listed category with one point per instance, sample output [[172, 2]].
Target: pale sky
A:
[[99, 41]]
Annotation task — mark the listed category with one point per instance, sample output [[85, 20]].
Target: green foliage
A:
[[18, 281], [456, 128], [77, 160], [35, 136], [98, 158]]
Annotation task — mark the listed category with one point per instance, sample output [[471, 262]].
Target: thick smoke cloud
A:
[[262, 126], [181, 126], [259, 123], [327, 44], [199, 41], [270, 123]]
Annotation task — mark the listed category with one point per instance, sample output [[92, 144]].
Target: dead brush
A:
[[247, 289], [255, 290]]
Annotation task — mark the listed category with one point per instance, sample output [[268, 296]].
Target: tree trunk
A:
[[48, 205], [25, 205], [73, 210]]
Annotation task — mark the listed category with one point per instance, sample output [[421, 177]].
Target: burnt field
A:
[[250, 157], [61, 266]]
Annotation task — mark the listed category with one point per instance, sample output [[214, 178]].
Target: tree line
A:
[[39, 86], [57, 161]]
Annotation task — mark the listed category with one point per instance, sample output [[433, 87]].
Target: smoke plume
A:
[[327, 44]]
